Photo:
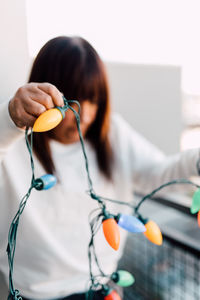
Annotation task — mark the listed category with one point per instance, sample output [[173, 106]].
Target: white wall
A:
[[149, 97], [14, 57]]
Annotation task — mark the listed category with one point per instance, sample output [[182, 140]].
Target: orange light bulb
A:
[[113, 295], [153, 233], [49, 119], [111, 232], [198, 218]]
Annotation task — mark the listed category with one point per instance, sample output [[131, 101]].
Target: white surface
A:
[[14, 58], [149, 98]]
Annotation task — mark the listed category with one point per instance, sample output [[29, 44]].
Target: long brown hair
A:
[[75, 68]]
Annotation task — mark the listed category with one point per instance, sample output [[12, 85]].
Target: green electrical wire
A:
[[95, 222], [12, 235], [177, 181]]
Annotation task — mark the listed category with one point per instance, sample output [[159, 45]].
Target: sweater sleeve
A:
[[9, 132], [147, 166]]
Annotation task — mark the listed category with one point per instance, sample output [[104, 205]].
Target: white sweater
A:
[[51, 252]]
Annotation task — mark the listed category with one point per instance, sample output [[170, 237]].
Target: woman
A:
[[51, 257]]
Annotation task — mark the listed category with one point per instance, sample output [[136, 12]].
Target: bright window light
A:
[[128, 31], [145, 31]]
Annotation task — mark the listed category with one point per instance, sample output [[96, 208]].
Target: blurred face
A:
[[66, 132]]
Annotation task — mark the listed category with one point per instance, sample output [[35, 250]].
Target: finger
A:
[[31, 91], [51, 90], [43, 98], [33, 108], [28, 120]]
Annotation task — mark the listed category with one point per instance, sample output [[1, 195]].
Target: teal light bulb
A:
[[45, 182], [195, 202], [123, 278]]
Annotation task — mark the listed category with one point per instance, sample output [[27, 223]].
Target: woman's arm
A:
[[27, 104], [147, 166]]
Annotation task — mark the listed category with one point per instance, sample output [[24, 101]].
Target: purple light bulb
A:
[[130, 223]]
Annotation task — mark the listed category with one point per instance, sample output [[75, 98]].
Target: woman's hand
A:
[[31, 100]]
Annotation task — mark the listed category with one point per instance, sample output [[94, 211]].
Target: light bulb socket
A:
[[143, 220], [115, 277], [62, 110], [117, 217], [38, 184], [107, 215], [106, 290]]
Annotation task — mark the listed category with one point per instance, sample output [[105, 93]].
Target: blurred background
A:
[[151, 49]]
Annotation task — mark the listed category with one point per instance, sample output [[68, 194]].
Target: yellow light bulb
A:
[[153, 233], [49, 119]]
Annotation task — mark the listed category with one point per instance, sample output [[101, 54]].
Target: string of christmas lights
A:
[[110, 223]]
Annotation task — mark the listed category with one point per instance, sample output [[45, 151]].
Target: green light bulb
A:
[[195, 202], [123, 278]]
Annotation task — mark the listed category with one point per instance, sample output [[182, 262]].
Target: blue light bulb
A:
[[130, 223], [45, 182]]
